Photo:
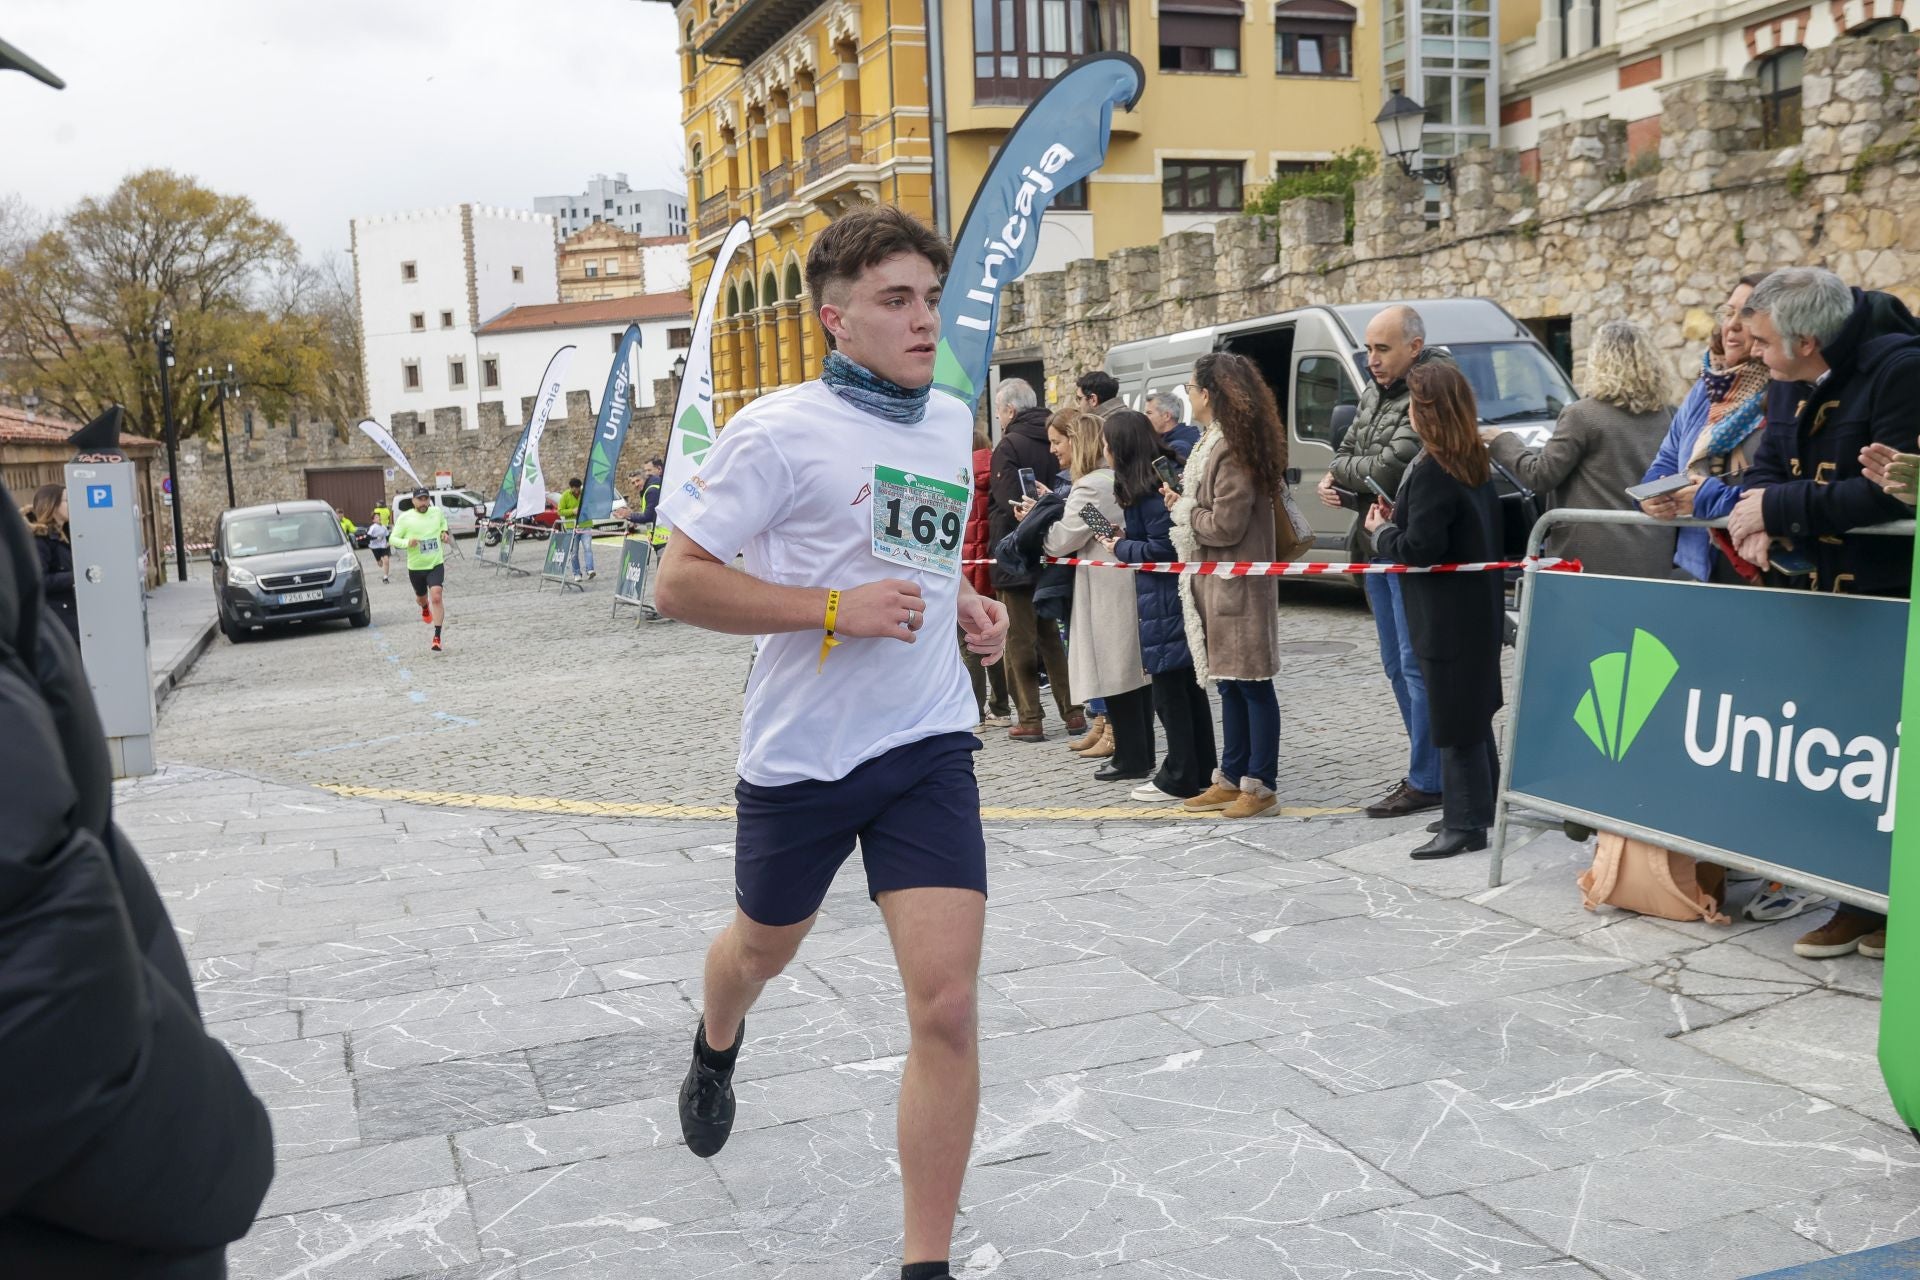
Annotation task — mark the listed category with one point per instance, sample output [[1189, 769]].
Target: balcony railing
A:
[[836, 146], [776, 188], [716, 211]]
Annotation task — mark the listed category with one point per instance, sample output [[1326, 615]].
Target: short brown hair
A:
[[864, 238], [1448, 420]]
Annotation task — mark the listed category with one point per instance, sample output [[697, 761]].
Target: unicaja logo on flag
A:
[[1626, 688]]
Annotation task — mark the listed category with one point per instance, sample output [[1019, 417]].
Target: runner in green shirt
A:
[[422, 534]]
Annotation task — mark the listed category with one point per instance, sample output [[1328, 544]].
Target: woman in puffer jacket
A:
[[1186, 716]]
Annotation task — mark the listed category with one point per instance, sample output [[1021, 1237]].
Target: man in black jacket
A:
[[130, 1146], [1846, 369], [1030, 639]]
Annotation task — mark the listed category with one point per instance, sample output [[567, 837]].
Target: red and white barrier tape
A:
[[1298, 569]]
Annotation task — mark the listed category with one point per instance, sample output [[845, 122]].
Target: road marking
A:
[[616, 809]]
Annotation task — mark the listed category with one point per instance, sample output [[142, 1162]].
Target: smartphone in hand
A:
[[1656, 488], [1169, 473], [1097, 521], [1029, 487], [1380, 493]]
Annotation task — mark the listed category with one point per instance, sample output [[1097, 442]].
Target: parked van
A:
[[463, 507], [1315, 359]]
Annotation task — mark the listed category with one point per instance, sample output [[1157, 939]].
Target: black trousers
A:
[[1130, 716], [1468, 776], [1187, 718]]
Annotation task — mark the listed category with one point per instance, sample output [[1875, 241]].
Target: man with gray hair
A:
[[1163, 410], [1379, 446], [1846, 370]]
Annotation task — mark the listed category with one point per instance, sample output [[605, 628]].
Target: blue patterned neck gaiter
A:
[[868, 390]]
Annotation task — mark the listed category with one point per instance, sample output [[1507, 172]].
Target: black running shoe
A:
[[706, 1102]]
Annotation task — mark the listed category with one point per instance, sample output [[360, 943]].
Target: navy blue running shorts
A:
[[915, 811]]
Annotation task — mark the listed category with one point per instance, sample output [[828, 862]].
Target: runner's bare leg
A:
[[741, 962]]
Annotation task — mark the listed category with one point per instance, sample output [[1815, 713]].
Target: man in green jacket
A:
[[1379, 446], [569, 508]]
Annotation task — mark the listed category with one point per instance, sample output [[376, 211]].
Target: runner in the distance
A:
[[848, 497], [422, 534], [377, 536]]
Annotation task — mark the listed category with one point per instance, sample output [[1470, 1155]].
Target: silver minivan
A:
[[1315, 360]]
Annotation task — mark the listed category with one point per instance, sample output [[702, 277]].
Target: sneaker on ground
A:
[[1217, 796], [426, 616], [1874, 945], [1842, 935], [706, 1103], [1250, 805], [1405, 799], [1148, 793], [436, 644], [1776, 901]]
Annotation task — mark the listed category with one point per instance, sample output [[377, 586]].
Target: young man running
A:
[[377, 536], [422, 534], [848, 498]]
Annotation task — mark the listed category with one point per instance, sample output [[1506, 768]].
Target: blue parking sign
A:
[[99, 495]]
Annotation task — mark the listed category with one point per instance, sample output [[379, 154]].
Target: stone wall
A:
[[1596, 239], [272, 465]]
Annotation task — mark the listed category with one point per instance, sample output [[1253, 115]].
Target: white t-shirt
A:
[[377, 535], [790, 487]]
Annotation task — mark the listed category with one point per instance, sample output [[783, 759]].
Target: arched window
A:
[[690, 58], [792, 290], [746, 296], [733, 300], [695, 179], [769, 289], [1780, 97]]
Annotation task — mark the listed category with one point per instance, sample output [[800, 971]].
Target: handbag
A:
[[1292, 535], [1645, 878]]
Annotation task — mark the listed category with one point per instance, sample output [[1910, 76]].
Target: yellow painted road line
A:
[[709, 812]]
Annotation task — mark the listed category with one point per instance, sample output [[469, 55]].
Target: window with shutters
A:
[[1200, 35], [1020, 45], [1313, 38]]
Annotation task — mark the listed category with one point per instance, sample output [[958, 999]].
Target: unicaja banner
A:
[[692, 434], [532, 499], [610, 430], [384, 438], [1060, 139]]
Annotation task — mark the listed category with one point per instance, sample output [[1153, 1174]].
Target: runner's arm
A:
[[695, 586]]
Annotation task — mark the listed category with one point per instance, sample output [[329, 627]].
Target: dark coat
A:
[[130, 1146], [1180, 441], [1024, 444], [56, 579], [1455, 618], [1809, 455], [1019, 555], [977, 545], [1163, 627]]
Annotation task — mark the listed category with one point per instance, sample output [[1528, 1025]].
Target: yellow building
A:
[[794, 111], [600, 261]]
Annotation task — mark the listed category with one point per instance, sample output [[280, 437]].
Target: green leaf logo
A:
[[1626, 689], [696, 437], [950, 376]]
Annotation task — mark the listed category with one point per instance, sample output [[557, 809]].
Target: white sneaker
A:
[[1777, 901], [1148, 793]]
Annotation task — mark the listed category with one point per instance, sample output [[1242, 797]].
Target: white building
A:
[[1591, 58], [664, 265], [655, 212], [513, 349], [427, 281]]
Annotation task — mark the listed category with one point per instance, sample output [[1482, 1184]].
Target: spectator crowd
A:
[[1797, 431]]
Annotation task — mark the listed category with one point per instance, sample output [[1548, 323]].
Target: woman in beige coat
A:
[[1103, 637], [1226, 512]]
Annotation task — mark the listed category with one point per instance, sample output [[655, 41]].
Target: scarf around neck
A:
[[865, 389], [1738, 397]]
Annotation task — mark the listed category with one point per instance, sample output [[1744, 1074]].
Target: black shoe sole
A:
[[705, 1138]]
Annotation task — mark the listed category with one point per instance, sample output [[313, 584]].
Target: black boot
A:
[[1450, 842]]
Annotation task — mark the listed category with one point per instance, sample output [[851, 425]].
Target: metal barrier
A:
[[562, 564], [630, 588], [1873, 624], [503, 558]]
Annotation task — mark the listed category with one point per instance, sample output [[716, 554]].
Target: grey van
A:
[[1315, 360], [286, 562]]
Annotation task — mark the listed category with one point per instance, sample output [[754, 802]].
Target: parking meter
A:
[[103, 515]]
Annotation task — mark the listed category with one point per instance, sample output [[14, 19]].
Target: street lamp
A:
[[1402, 124], [224, 387], [163, 347]]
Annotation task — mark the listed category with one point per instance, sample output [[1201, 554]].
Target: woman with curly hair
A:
[[1602, 444], [1225, 511]]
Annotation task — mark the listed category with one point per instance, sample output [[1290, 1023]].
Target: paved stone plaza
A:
[[1277, 1048]]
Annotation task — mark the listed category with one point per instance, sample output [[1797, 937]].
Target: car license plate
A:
[[299, 597]]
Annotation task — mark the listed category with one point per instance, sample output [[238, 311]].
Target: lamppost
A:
[[163, 345], [1402, 124], [224, 387], [679, 372]]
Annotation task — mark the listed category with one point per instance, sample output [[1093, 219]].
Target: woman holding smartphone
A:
[[1447, 512], [1103, 638], [1226, 512], [1141, 465]]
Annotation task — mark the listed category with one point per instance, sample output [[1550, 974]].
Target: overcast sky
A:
[[321, 111]]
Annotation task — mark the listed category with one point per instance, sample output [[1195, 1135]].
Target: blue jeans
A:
[[1250, 728], [1403, 673], [582, 551]]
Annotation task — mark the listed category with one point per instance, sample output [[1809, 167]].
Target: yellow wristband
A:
[[833, 616]]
